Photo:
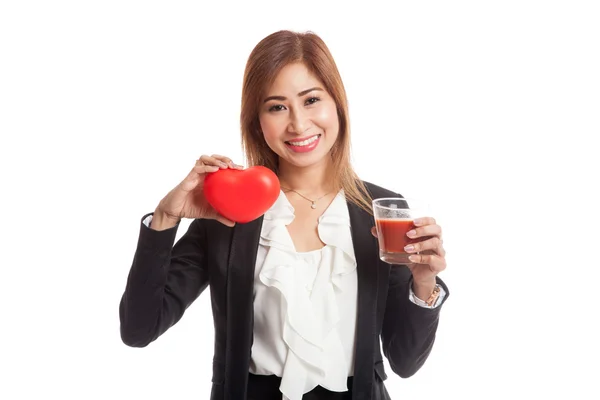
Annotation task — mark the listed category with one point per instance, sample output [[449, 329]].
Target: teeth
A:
[[305, 142]]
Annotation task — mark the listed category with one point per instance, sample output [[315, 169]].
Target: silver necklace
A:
[[314, 202]]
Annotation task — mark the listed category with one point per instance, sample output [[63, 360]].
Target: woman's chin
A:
[[304, 160]]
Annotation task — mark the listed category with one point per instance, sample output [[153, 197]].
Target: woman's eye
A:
[[312, 100], [277, 107]]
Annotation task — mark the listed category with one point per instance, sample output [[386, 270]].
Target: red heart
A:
[[242, 195]]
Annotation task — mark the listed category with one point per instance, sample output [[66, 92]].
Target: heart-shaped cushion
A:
[[242, 195]]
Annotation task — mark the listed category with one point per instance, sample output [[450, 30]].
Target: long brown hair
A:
[[271, 55]]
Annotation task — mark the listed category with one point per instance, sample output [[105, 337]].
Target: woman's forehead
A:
[[294, 78]]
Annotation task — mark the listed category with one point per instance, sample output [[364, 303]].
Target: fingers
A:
[[227, 161], [225, 221], [213, 161], [203, 169], [374, 231], [432, 253], [193, 178], [218, 161], [204, 165], [425, 227], [424, 221], [433, 243]]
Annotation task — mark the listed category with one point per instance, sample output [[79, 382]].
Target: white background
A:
[[486, 109]]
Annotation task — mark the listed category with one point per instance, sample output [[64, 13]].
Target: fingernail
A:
[[412, 258], [411, 233], [417, 222], [409, 248]]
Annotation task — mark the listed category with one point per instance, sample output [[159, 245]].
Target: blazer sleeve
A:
[[164, 280], [408, 330]]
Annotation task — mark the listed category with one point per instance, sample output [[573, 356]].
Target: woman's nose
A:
[[299, 123]]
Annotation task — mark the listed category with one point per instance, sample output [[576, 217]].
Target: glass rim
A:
[[406, 199]]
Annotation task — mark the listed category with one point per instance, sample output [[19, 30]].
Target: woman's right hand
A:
[[187, 199]]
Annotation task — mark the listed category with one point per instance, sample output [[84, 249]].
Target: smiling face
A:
[[299, 118]]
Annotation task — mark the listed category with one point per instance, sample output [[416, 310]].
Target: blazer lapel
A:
[[367, 270], [240, 311]]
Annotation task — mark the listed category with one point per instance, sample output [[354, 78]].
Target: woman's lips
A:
[[304, 145]]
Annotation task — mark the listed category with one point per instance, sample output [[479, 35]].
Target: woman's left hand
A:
[[431, 259]]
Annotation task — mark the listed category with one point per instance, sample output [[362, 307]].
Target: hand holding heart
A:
[[216, 188], [187, 199]]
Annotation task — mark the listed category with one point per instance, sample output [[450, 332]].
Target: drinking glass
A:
[[394, 217]]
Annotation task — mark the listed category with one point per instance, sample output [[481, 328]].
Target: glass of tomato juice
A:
[[394, 217]]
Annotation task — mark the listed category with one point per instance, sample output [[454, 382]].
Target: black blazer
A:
[[165, 279]]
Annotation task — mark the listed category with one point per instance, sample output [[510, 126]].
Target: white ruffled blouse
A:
[[305, 303]]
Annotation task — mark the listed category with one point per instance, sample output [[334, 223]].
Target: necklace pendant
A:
[[313, 205]]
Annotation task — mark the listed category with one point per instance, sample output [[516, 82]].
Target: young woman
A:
[[302, 304]]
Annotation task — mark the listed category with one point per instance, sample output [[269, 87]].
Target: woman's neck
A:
[[312, 180]]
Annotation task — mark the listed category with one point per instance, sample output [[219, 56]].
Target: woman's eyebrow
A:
[[302, 93]]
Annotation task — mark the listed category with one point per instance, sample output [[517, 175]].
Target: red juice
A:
[[392, 239]]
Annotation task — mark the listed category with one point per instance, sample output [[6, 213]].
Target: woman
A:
[[300, 297]]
